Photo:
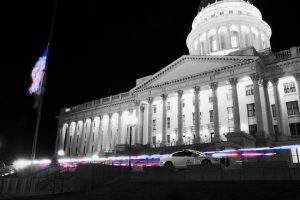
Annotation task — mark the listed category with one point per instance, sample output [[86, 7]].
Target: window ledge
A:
[[294, 116], [290, 94]]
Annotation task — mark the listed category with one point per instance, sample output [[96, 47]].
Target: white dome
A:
[[227, 25]]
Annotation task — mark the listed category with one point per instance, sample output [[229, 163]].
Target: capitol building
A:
[[231, 89]]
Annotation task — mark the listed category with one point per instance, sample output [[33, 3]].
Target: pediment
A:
[[190, 65]]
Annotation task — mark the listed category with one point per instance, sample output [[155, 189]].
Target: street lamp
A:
[[131, 123]]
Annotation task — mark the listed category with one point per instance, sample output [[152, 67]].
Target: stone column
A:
[[207, 45], [100, 135], [228, 38], [214, 87], [150, 101], [297, 78], [73, 145], [280, 124], [67, 138], [141, 125], [109, 133], [179, 113], [82, 138], [164, 120], [137, 114], [197, 115], [268, 109], [260, 137], [240, 36], [235, 100], [119, 127], [218, 40], [90, 137]]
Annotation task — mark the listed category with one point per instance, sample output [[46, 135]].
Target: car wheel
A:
[[169, 164], [206, 162]]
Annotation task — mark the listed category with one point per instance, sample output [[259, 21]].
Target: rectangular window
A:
[[289, 88], [295, 129], [193, 118], [154, 108], [168, 139], [251, 110], [211, 116], [183, 120], [221, 13], [231, 12], [168, 106], [292, 108], [168, 122], [274, 110], [183, 103], [252, 129], [154, 125], [249, 90]]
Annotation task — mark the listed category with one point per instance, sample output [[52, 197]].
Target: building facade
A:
[[231, 88]]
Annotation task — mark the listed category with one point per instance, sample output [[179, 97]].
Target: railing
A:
[[283, 54], [116, 97], [107, 99], [124, 95]]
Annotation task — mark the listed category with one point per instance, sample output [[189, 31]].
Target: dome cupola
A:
[[223, 26]]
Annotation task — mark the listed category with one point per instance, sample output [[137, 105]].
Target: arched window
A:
[[263, 41], [234, 36], [196, 46], [202, 44], [255, 38], [212, 38], [246, 35], [222, 37]]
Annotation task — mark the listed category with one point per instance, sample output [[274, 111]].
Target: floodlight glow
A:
[[61, 153], [21, 164]]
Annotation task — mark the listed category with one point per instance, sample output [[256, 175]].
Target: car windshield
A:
[[198, 153]]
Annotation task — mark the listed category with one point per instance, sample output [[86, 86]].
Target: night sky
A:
[[98, 49]]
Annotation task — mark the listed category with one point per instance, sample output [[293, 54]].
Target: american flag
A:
[[37, 74]]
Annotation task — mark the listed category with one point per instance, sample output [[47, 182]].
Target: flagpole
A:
[[43, 86]]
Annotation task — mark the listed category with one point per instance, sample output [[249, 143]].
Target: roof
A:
[[205, 3]]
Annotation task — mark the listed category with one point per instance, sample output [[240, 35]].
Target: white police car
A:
[[181, 159]]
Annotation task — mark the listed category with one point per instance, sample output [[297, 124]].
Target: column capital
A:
[[213, 85], [137, 102], [275, 82], [120, 112], [196, 89], [233, 81], [150, 99], [180, 93], [164, 96], [142, 107], [255, 77], [265, 83], [110, 114]]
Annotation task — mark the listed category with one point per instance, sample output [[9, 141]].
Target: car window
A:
[[178, 154], [188, 154]]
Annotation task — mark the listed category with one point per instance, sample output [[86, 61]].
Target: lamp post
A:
[[132, 122]]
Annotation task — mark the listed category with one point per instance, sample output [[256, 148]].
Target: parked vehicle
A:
[[181, 159], [5, 170]]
